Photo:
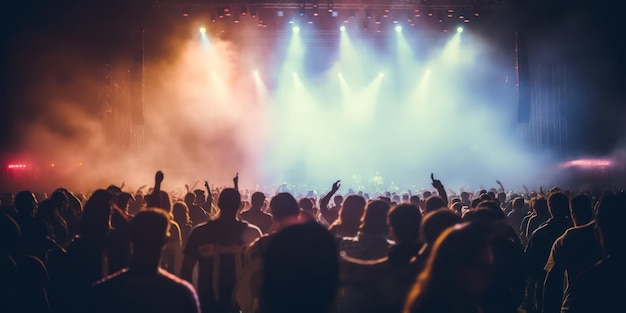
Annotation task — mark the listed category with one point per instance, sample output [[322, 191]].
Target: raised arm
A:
[[440, 189], [236, 181], [155, 198], [501, 186], [324, 202]]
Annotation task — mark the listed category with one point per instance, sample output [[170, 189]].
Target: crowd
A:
[[221, 250]]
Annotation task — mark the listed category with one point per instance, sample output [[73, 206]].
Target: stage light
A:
[[255, 73], [296, 29], [342, 28], [294, 74], [459, 29], [398, 28], [381, 75], [202, 30]]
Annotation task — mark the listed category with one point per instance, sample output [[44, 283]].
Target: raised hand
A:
[[236, 180], [498, 182], [436, 182], [158, 177], [336, 186], [206, 185]]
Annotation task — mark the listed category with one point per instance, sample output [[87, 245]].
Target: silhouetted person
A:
[[601, 288], [180, 213], [572, 253], [517, 214], [433, 225], [87, 259], [34, 231], [349, 220], [404, 221], [218, 247], [25, 276], [539, 206], [331, 214], [371, 242], [170, 258], [255, 215], [457, 273], [6, 205], [196, 213], [300, 271], [145, 286], [285, 212], [539, 246]]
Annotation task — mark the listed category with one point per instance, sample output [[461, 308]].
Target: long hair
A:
[[439, 287]]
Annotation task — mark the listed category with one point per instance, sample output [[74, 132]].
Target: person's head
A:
[[25, 203], [96, 218], [436, 222], [338, 199], [501, 197], [518, 204], [415, 200], [306, 205], [465, 196], [257, 200], [190, 198], [150, 230], [59, 199], [352, 210], [610, 219], [493, 206], [300, 270], [581, 210], [284, 206], [458, 270], [122, 200], [539, 205], [558, 205], [180, 212], [200, 197], [434, 203], [374, 221], [404, 221], [229, 202], [426, 194]]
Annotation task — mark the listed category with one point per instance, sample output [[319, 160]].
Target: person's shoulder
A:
[[111, 279], [176, 282]]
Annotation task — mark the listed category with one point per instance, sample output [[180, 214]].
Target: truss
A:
[[335, 4]]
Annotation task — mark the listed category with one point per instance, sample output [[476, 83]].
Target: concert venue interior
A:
[[375, 93]]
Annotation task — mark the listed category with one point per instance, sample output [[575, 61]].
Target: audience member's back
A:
[[603, 287], [300, 271], [371, 241], [27, 274], [145, 286], [255, 215], [218, 247]]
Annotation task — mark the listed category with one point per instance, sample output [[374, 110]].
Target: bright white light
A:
[[459, 29], [381, 75], [342, 28], [255, 73], [398, 28], [294, 74], [296, 29], [202, 30], [339, 74]]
